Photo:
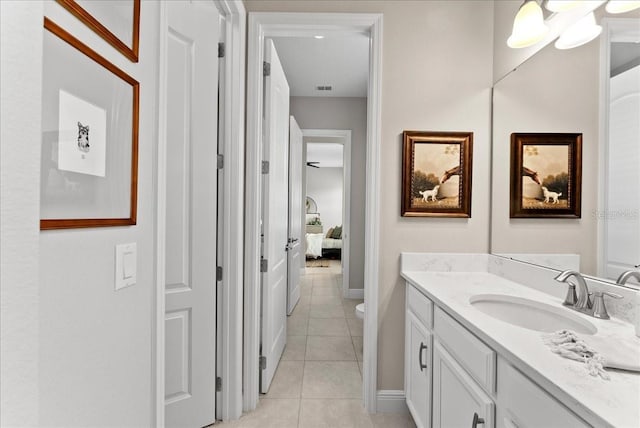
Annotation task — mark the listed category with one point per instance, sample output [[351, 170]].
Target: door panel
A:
[[275, 223], [190, 228], [622, 240], [294, 252], [418, 369]]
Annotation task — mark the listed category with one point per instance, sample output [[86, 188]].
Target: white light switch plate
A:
[[126, 265]]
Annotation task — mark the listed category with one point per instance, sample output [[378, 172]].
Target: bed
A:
[[318, 243]]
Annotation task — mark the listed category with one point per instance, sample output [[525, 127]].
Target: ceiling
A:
[[327, 155], [341, 62]]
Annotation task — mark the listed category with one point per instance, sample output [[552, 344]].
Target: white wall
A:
[[325, 186], [89, 346], [343, 113], [436, 75], [20, 116]]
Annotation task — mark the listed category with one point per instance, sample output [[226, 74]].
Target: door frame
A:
[[270, 24], [232, 241], [344, 137]]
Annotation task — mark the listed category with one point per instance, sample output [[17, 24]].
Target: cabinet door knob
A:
[[476, 421], [420, 353]]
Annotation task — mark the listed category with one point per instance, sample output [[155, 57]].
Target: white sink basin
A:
[[530, 314]]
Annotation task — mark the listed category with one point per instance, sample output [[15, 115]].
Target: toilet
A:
[[360, 311]]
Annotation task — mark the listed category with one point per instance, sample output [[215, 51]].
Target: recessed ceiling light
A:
[[318, 37]]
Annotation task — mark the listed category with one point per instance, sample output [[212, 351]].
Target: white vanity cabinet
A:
[[418, 366], [453, 379]]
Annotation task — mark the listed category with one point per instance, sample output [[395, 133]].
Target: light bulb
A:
[[561, 5], [580, 33], [621, 6], [528, 26]]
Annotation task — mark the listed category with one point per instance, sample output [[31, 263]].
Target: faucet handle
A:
[[571, 298], [599, 309]]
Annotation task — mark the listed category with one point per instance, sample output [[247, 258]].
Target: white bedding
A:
[[314, 245], [331, 243]]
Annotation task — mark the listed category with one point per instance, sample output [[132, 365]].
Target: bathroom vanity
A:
[[465, 367]]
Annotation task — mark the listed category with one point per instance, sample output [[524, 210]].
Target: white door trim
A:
[[232, 294], [263, 25], [230, 354], [345, 140]]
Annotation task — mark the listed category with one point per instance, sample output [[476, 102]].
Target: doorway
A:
[[327, 181], [268, 25]]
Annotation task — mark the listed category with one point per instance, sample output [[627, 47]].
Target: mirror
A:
[[560, 91], [311, 206]]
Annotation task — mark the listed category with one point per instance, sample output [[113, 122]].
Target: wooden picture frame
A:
[[90, 114], [436, 174], [546, 175], [97, 19]]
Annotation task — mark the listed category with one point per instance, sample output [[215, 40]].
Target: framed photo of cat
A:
[[546, 175], [89, 162], [436, 174], [116, 21]]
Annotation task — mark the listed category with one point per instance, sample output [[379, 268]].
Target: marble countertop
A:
[[614, 402]]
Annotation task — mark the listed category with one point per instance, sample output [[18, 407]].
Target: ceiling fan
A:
[[311, 164]]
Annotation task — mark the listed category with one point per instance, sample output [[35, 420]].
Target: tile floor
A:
[[318, 382]]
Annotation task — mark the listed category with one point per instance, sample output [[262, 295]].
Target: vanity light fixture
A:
[[621, 6], [580, 33], [561, 5], [528, 26], [318, 37]]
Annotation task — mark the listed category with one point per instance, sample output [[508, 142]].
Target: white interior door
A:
[[294, 249], [275, 215], [622, 238], [190, 268]]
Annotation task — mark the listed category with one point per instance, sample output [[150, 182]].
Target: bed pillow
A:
[[329, 233], [337, 232]]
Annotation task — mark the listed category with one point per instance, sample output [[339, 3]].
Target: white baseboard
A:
[[391, 401], [354, 293]]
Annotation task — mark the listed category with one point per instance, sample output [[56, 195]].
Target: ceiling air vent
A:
[[323, 88]]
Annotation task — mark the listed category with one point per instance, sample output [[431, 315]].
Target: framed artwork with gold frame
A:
[[436, 174], [546, 175], [90, 113], [116, 21]]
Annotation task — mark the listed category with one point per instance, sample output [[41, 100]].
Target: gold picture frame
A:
[[89, 162], [436, 174], [546, 175]]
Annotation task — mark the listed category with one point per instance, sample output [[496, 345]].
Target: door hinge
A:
[[221, 50], [263, 363], [264, 265], [220, 161], [218, 384], [265, 167], [266, 69], [219, 273]]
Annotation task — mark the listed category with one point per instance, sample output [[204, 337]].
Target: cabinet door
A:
[[520, 401], [417, 370], [457, 399]]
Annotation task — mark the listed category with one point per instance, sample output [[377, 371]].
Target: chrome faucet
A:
[[581, 301], [624, 277]]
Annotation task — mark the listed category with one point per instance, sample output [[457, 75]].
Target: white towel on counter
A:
[[567, 344], [618, 354], [612, 355]]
